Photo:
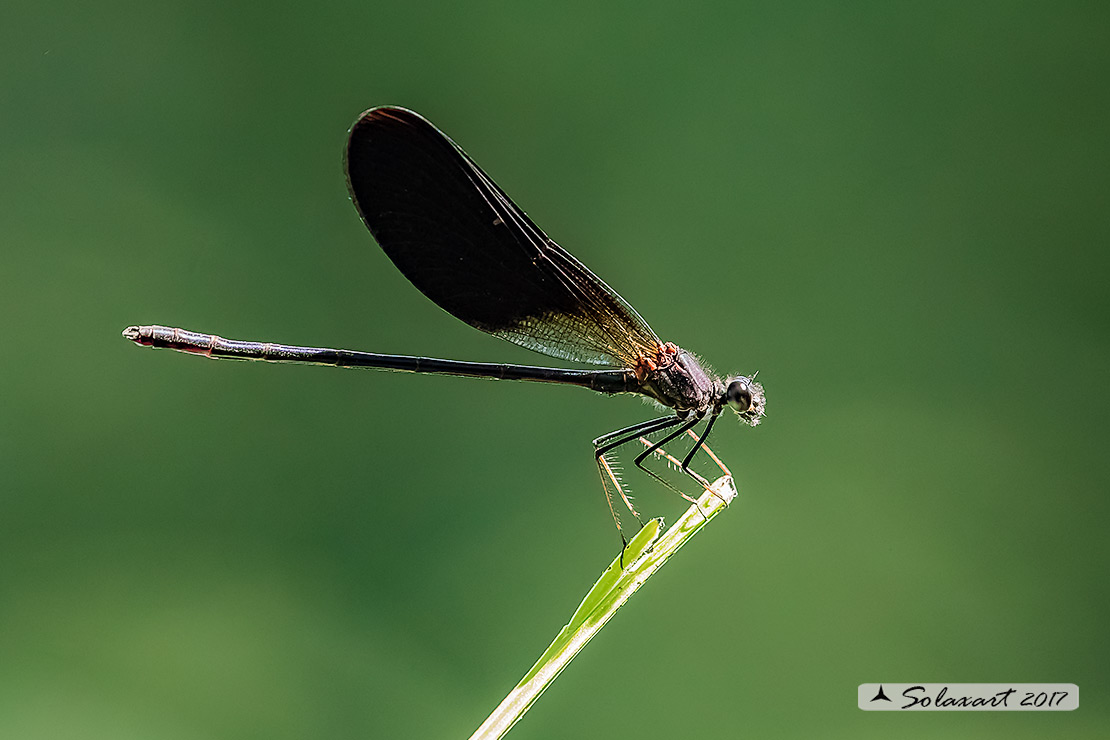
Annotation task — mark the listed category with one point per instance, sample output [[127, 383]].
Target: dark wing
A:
[[460, 240]]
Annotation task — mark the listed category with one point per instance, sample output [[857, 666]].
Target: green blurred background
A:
[[898, 216]]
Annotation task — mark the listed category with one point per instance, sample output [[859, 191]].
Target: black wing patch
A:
[[464, 244]]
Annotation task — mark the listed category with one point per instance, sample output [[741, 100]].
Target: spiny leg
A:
[[684, 465], [607, 471], [643, 427], [612, 440], [675, 463], [686, 426], [712, 455], [698, 444]]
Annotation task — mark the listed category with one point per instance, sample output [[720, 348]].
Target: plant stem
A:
[[644, 555]]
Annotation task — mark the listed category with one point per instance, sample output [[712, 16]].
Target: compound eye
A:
[[739, 396]]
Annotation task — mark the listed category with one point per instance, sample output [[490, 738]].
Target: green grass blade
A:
[[644, 555]]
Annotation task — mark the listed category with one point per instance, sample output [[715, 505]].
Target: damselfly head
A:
[[745, 396]]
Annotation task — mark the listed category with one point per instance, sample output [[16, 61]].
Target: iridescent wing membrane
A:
[[460, 240]]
